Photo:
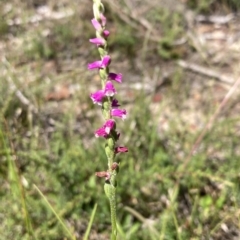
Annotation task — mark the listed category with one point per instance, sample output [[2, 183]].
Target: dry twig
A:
[[22, 98], [209, 124], [205, 71], [215, 19]]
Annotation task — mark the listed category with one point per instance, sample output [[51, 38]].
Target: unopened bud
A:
[[114, 166], [105, 175], [121, 149]]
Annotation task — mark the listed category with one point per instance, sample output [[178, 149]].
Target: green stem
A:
[[110, 191], [113, 216]]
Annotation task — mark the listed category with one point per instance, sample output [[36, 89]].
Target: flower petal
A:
[[101, 133], [121, 149], [109, 125], [106, 175], [109, 89], [104, 20], [93, 65], [96, 24], [121, 113], [97, 41], [97, 97], [115, 103], [106, 61], [116, 77]]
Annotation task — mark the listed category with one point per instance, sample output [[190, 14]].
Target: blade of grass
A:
[[86, 235], [16, 184], [121, 231], [164, 225], [71, 235], [152, 230], [173, 196], [176, 225]]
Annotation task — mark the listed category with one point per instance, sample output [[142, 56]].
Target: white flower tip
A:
[[107, 130], [109, 93]]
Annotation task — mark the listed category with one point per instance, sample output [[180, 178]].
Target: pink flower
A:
[[101, 133], [116, 77], [96, 24], [104, 20], [106, 33], [121, 149], [106, 61], [97, 97], [109, 125], [109, 89], [105, 175], [121, 113], [93, 65], [100, 97], [114, 166], [100, 64], [97, 41], [115, 103]]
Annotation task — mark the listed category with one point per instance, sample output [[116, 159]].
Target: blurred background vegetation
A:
[[180, 179]]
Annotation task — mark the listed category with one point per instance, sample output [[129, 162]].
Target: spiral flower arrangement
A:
[[105, 98]]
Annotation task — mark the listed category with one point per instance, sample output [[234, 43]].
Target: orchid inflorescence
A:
[[105, 97]]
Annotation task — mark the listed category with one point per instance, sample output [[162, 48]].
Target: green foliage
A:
[[64, 33], [200, 5], [64, 172], [159, 197], [3, 27], [171, 27], [40, 48], [124, 41]]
